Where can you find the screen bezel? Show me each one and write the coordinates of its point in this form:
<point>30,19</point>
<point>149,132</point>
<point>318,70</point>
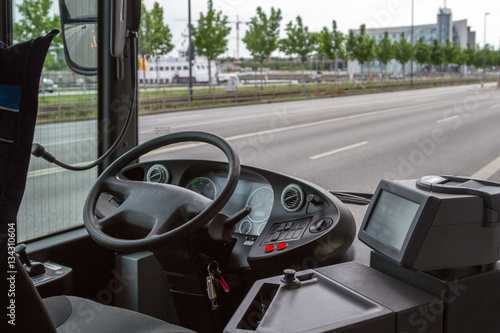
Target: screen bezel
<point>419,226</point>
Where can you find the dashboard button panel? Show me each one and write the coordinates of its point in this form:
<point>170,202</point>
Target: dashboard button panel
<point>291,230</point>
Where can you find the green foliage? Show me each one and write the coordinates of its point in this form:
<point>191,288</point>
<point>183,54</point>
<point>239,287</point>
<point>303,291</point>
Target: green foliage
<point>299,40</point>
<point>402,51</point>
<point>35,20</point>
<point>350,46</point>
<point>450,53</point>
<point>154,36</point>
<point>422,52</point>
<point>210,36</point>
<point>262,36</point>
<point>384,50</point>
<point>470,54</point>
<point>436,53</point>
<point>330,43</point>
<point>361,46</point>
<point>461,55</point>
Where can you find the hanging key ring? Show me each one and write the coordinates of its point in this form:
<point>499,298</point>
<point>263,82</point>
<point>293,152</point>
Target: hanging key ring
<point>210,271</point>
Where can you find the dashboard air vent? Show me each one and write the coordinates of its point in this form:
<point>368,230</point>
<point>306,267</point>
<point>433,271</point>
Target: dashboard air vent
<point>292,198</point>
<point>157,174</point>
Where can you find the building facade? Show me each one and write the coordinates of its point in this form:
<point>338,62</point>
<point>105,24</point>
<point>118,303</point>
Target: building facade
<point>458,32</point>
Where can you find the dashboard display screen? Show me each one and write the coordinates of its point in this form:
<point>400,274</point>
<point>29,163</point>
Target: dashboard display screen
<point>391,219</point>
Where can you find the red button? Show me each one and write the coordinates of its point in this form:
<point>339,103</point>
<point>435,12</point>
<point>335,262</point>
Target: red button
<point>282,246</point>
<point>269,248</point>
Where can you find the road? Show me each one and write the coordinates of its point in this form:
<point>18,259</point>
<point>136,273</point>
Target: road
<point>345,143</point>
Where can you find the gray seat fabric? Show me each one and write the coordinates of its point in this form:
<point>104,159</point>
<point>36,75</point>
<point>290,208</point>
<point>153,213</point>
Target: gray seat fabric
<point>75,314</point>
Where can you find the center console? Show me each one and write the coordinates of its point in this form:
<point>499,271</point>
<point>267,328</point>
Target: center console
<point>434,268</point>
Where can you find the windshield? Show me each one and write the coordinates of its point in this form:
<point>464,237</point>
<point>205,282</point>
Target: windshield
<point>339,94</point>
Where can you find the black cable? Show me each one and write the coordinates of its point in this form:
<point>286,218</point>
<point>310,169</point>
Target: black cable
<point>38,150</point>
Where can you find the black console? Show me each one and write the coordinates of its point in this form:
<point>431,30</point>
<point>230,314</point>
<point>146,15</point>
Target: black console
<point>348,298</point>
<point>49,278</point>
<point>434,268</point>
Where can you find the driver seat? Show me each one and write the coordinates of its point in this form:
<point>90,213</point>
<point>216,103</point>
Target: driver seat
<point>76,314</point>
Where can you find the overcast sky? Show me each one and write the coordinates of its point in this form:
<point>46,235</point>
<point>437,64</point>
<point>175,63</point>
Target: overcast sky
<point>349,14</point>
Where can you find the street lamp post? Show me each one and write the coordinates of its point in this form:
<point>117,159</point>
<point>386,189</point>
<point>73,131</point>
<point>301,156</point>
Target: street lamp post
<point>484,51</point>
<point>411,62</point>
<point>190,55</point>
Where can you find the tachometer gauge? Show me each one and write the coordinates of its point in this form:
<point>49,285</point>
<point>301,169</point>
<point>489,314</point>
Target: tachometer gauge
<point>261,201</point>
<point>245,227</point>
<point>203,186</point>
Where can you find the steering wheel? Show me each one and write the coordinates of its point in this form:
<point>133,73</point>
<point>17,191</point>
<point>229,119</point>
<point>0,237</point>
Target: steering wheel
<point>165,211</point>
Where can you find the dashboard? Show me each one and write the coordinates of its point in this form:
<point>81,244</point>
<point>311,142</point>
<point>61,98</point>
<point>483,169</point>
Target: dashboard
<point>290,218</point>
<point>256,194</point>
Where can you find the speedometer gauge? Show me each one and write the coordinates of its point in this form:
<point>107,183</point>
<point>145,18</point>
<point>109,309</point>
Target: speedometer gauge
<point>203,186</point>
<point>261,201</point>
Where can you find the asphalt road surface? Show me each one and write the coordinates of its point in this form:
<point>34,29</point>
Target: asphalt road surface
<point>346,143</point>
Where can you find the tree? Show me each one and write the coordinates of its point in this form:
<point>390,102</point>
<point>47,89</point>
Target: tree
<point>360,47</point>
<point>383,51</point>
<point>299,41</point>
<point>330,43</point>
<point>262,35</point>
<point>461,57</point>
<point>449,54</point>
<point>155,38</point>
<point>470,54</point>
<point>210,36</point>
<point>478,57</point>
<point>36,20</point>
<point>402,51</point>
<point>436,53</point>
<point>422,52</point>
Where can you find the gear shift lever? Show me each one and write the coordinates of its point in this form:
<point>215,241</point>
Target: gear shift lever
<point>33,268</point>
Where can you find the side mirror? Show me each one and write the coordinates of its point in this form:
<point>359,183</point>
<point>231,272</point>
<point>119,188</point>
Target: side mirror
<point>79,32</point>
<point>79,26</point>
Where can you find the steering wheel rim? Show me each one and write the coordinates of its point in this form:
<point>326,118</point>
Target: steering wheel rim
<point>109,181</point>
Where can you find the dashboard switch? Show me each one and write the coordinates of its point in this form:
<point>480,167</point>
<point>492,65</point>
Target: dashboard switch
<point>269,248</point>
<point>282,246</point>
<point>321,224</point>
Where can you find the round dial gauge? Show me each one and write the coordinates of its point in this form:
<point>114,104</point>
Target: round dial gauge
<point>245,227</point>
<point>261,201</point>
<point>203,186</point>
<point>260,229</point>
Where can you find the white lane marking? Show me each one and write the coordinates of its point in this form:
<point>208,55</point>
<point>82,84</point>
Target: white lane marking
<point>289,110</point>
<point>447,119</point>
<point>488,170</point>
<point>281,129</point>
<point>495,106</point>
<point>48,171</point>
<point>331,152</point>
<point>242,136</point>
<point>205,123</point>
<point>67,141</point>
<point>171,117</point>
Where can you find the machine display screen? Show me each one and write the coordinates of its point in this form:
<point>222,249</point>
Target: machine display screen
<point>391,219</point>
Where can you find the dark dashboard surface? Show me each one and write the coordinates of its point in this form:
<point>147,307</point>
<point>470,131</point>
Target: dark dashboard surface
<point>290,218</point>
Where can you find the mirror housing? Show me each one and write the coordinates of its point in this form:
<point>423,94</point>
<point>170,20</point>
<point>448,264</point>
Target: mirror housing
<point>79,31</point>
